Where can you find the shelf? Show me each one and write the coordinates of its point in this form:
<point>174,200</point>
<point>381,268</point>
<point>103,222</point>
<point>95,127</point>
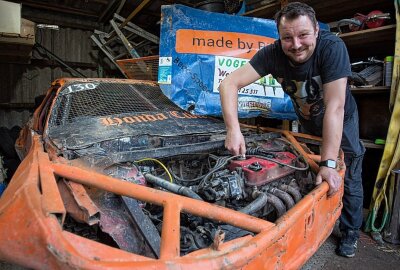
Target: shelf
<point>367,34</point>
<point>328,10</point>
<point>17,106</point>
<point>375,35</point>
<point>370,144</point>
<point>371,90</point>
<point>268,11</point>
<point>364,43</point>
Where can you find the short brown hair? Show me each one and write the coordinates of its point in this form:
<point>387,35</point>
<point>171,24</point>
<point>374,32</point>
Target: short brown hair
<point>293,10</point>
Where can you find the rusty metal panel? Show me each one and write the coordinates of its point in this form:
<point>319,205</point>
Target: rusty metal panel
<point>71,45</point>
<point>22,83</point>
<point>10,118</point>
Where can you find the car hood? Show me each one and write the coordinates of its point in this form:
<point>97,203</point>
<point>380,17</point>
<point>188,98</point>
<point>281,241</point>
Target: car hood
<point>90,130</point>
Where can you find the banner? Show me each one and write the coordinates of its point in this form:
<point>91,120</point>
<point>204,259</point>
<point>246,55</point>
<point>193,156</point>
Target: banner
<point>198,49</point>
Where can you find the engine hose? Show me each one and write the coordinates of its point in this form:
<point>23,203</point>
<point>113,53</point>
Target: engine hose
<point>277,204</point>
<point>285,197</point>
<point>292,191</point>
<point>255,205</point>
<point>281,163</point>
<point>178,189</point>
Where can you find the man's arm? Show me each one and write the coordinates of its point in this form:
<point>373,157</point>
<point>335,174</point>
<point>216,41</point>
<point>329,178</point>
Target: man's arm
<point>334,100</point>
<point>228,90</point>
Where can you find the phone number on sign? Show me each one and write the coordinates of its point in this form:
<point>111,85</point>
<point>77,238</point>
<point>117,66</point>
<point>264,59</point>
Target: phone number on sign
<point>248,91</point>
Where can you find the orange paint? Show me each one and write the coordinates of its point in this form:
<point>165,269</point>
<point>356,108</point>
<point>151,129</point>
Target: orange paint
<point>32,235</point>
<point>220,43</point>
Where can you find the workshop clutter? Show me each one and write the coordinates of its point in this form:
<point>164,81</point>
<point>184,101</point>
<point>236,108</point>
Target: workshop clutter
<point>17,48</point>
<point>142,68</point>
<point>374,19</point>
<point>388,71</point>
<point>372,72</point>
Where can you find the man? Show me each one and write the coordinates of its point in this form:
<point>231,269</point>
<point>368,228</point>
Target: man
<point>312,66</point>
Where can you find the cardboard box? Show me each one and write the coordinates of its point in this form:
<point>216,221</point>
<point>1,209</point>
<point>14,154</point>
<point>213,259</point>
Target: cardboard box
<point>17,48</point>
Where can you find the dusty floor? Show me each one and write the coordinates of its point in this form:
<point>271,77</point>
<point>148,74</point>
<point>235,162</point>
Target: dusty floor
<point>370,255</point>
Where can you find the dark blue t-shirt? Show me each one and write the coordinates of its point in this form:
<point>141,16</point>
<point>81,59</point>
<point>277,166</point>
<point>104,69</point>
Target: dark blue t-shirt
<point>303,82</point>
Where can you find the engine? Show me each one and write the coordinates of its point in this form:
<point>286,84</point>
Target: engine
<point>265,183</point>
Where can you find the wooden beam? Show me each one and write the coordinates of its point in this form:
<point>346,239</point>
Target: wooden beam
<point>57,8</point>
<point>134,12</point>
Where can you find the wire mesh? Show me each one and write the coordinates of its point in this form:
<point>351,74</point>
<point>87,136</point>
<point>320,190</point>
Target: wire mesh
<point>144,68</point>
<point>109,99</point>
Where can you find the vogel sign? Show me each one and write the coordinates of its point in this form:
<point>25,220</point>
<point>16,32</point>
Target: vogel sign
<point>198,49</point>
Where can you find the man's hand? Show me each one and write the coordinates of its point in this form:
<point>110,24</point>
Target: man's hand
<point>234,143</point>
<point>332,177</point>
<point>228,90</point>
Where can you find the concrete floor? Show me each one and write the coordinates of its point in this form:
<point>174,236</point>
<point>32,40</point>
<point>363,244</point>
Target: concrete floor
<point>369,255</point>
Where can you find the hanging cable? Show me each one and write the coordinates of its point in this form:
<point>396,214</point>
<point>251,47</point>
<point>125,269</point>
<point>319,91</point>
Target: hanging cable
<point>160,163</point>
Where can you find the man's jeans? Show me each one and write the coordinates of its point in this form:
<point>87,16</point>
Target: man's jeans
<point>352,213</point>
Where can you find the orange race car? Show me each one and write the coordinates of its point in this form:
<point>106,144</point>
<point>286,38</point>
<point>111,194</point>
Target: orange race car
<point>115,176</point>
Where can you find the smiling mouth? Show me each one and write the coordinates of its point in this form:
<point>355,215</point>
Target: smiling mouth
<point>298,52</point>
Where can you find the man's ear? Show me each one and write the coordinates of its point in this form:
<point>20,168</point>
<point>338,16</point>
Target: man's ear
<point>316,30</point>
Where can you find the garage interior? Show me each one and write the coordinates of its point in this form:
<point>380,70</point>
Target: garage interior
<point>44,40</point>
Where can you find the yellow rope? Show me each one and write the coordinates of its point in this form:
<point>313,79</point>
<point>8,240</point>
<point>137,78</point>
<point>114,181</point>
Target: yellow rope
<point>384,186</point>
<point>160,163</point>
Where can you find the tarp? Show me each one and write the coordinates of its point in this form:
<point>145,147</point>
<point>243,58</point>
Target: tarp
<point>198,49</point>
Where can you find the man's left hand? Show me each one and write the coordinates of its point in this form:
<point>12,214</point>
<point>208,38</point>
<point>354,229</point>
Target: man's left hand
<point>331,176</point>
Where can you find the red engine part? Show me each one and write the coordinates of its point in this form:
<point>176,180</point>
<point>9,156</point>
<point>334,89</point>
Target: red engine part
<point>374,20</point>
<point>259,171</point>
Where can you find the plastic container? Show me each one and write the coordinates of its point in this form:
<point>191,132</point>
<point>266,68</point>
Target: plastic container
<point>387,71</point>
<point>295,126</point>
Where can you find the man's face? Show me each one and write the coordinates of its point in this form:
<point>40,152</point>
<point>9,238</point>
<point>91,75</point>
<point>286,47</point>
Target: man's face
<point>298,38</point>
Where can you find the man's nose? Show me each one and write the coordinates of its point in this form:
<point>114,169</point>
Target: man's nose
<point>296,43</point>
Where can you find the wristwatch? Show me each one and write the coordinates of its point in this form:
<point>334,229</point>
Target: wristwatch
<point>330,163</point>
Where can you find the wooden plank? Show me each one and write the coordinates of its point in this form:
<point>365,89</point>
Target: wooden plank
<point>363,42</point>
<point>370,90</point>
<point>328,11</point>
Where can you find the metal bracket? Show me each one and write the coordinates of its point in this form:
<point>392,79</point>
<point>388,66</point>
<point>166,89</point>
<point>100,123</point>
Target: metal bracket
<point>123,30</point>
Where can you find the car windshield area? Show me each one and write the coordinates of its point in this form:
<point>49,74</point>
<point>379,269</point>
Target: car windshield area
<point>87,114</point>
<point>96,99</point>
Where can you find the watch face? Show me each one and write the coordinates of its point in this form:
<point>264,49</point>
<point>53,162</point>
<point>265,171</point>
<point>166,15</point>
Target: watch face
<point>331,163</point>
<point>328,163</point>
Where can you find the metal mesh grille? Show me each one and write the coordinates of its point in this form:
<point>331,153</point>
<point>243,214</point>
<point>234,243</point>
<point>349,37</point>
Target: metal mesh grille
<point>110,99</point>
<point>144,68</point>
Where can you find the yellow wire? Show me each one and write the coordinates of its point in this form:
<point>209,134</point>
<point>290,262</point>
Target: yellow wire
<point>161,164</point>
